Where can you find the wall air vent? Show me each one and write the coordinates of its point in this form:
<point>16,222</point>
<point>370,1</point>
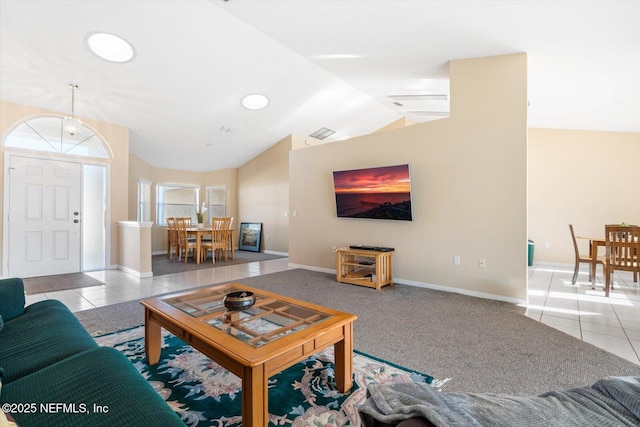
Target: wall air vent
<point>430,113</point>
<point>322,133</point>
<point>423,107</point>
<point>419,97</point>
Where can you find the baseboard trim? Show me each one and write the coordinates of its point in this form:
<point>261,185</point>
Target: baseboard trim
<point>553,264</point>
<point>467,292</point>
<point>428,286</point>
<point>276,253</point>
<point>138,274</point>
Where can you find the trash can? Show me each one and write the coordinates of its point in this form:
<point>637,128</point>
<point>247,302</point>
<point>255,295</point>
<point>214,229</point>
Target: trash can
<point>530,253</point>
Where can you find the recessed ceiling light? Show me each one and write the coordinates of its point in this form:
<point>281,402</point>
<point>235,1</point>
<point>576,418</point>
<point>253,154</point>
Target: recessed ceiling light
<point>110,47</point>
<point>255,101</point>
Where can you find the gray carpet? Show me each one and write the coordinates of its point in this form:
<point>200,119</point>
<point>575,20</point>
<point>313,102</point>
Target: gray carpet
<point>58,282</point>
<point>161,264</point>
<point>483,345</point>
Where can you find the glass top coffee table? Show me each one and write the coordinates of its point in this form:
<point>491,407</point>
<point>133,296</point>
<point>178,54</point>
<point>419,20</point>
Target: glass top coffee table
<point>254,343</point>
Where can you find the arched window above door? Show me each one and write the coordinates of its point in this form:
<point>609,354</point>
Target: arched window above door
<point>47,133</point>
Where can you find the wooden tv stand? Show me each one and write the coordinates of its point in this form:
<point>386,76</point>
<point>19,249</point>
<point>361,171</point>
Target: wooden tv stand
<point>365,268</point>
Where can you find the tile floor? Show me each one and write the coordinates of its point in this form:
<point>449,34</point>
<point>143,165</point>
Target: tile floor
<point>120,286</point>
<point>611,323</point>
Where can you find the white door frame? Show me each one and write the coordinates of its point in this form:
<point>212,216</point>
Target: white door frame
<point>8,152</point>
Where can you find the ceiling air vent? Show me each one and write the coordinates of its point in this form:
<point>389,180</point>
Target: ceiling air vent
<point>322,133</point>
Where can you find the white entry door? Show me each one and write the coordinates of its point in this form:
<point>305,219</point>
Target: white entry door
<point>44,217</point>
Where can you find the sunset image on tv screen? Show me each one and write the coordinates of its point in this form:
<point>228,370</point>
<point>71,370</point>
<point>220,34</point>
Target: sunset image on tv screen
<point>379,193</point>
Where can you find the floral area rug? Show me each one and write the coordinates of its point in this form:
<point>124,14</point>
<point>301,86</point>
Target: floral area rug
<point>203,393</point>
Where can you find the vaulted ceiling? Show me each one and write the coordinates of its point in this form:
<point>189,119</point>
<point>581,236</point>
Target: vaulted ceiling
<point>352,66</point>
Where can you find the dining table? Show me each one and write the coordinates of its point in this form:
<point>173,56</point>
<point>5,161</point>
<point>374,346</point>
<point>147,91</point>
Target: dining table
<point>198,233</point>
<point>594,243</point>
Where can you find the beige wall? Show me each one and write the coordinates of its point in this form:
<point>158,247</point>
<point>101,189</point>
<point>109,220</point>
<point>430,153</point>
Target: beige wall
<point>468,183</point>
<point>118,139</point>
<point>584,178</point>
<point>138,170</point>
<point>135,248</point>
<point>143,170</point>
<point>263,194</point>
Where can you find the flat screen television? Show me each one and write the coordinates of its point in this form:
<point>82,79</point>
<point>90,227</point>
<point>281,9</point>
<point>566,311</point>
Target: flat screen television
<point>378,193</point>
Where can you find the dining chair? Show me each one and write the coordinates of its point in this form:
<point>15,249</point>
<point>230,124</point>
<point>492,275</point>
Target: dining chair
<point>635,273</point>
<point>219,241</point>
<point>587,259</point>
<point>622,253</point>
<point>185,243</point>
<point>219,224</point>
<point>173,237</point>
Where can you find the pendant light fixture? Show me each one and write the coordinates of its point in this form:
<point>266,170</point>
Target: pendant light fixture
<point>71,124</point>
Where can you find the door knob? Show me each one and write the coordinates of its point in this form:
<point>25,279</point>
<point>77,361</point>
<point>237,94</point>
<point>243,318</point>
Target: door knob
<point>76,221</point>
<point>76,213</point>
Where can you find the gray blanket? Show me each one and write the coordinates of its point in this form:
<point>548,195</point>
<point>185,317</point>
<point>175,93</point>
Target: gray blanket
<point>612,401</point>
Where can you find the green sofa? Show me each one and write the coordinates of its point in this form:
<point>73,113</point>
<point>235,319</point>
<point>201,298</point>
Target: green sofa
<point>53,373</point>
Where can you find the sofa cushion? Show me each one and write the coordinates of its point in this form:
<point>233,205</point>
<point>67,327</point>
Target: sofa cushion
<point>11,298</point>
<point>45,333</point>
<point>100,387</point>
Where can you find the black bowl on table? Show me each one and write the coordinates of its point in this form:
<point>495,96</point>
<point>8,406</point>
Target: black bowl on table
<point>241,300</point>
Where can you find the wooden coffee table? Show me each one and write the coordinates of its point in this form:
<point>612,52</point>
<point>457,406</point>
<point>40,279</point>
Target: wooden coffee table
<point>254,344</point>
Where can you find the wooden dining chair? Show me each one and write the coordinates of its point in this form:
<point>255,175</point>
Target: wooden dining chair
<point>173,237</point>
<point>219,241</point>
<point>185,243</point>
<point>584,259</point>
<point>622,253</point>
<point>220,237</point>
<point>221,223</point>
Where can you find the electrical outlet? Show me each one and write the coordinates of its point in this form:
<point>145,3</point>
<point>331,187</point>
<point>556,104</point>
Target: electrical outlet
<point>456,260</point>
<point>482,263</point>
<point>546,245</point>
<point>334,249</point>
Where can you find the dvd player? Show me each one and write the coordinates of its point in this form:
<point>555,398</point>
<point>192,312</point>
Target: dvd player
<point>372,248</point>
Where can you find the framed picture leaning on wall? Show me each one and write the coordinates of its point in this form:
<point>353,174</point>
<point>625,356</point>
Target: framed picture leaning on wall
<point>250,236</point>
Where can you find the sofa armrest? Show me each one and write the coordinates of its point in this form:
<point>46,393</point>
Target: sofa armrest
<point>11,298</point>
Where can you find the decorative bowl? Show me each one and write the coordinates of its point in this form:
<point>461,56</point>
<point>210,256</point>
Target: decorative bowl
<point>236,301</point>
